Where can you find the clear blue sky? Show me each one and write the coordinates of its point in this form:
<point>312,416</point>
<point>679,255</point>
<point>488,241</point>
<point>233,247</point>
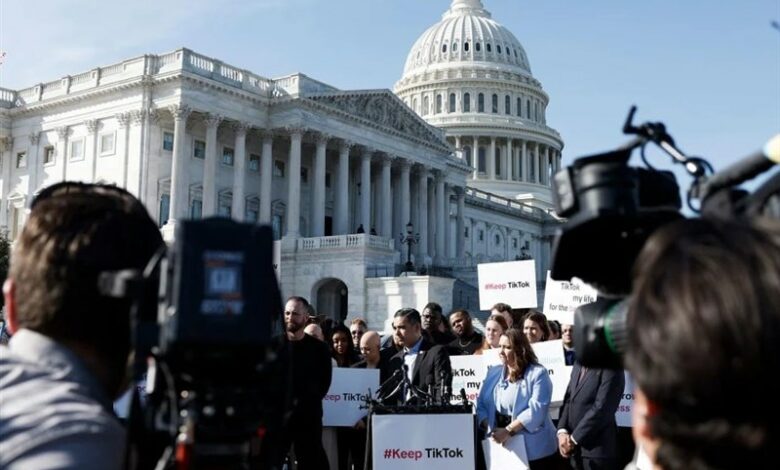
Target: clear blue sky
<point>709,70</point>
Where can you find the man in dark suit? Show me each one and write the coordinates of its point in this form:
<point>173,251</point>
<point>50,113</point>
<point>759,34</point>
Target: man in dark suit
<point>587,432</point>
<point>428,365</point>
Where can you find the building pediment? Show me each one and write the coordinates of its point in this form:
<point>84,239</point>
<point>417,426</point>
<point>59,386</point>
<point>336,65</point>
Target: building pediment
<point>384,109</point>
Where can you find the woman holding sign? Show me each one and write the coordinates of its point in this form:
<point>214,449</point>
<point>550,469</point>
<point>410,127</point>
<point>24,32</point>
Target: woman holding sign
<point>515,401</point>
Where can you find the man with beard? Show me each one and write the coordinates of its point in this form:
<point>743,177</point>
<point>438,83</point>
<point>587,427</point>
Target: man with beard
<point>309,360</point>
<point>467,340</point>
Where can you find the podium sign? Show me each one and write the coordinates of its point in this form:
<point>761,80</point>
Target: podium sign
<point>423,442</point>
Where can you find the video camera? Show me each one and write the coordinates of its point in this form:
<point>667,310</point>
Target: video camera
<point>612,208</point>
<point>202,326</point>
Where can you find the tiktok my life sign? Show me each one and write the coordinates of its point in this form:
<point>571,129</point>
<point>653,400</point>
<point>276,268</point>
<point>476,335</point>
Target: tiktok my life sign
<point>561,298</point>
<point>512,282</point>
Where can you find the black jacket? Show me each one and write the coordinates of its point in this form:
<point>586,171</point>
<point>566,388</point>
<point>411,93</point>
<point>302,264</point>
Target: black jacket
<point>432,367</point>
<point>309,363</point>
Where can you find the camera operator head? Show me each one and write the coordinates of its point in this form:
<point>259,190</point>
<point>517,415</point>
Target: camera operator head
<point>704,321</point>
<point>75,232</point>
<point>69,354</point>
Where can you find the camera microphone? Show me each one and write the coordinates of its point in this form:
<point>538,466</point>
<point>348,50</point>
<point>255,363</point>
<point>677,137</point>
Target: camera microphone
<point>744,169</point>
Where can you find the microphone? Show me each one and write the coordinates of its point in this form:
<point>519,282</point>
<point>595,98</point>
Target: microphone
<point>745,169</point>
<point>463,396</point>
<point>384,386</point>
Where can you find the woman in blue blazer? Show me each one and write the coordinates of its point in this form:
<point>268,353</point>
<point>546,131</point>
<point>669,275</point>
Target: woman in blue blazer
<point>515,399</point>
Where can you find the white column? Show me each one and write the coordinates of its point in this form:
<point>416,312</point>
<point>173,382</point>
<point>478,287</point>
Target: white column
<point>524,159</point>
<point>179,181</point>
<point>507,162</point>
<point>90,147</point>
<point>458,148</point>
<point>365,189</point>
<point>6,153</point>
<point>422,210</point>
<point>460,246</point>
<point>447,223</point>
<point>405,202</point>
<point>238,210</point>
<point>537,166</point>
<point>546,166</point>
<point>210,165</point>
<point>475,158</point>
<point>511,169</point>
<point>318,200</point>
<point>123,143</point>
<point>491,159</point>
<point>294,184</point>
<point>441,218</point>
<point>432,219</point>
<point>386,219</point>
<point>32,164</point>
<point>266,177</point>
<point>62,149</point>
<point>341,208</point>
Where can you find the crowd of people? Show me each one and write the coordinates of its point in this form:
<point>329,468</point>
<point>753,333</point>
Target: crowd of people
<point>704,319</point>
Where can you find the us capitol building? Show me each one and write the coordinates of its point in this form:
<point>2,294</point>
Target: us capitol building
<point>457,158</point>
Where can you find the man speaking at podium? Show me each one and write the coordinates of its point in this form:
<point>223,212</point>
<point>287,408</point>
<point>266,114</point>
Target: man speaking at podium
<point>426,366</point>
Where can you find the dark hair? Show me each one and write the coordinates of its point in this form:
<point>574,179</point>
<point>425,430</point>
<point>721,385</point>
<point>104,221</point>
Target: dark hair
<point>554,326</point>
<point>524,353</point>
<point>300,299</point>
<point>74,232</point>
<point>704,323</point>
<point>502,307</point>
<point>540,319</point>
<point>351,356</point>
<point>434,308</point>
<point>461,311</point>
<point>410,314</point>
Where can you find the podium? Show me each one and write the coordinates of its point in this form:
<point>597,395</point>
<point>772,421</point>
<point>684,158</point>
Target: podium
<point>439,438</point>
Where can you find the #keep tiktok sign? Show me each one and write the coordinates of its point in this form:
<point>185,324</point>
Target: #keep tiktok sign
<point>512,282</point>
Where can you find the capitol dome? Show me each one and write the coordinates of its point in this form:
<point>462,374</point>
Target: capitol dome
<point>470,76</point>
<point>467,33</point>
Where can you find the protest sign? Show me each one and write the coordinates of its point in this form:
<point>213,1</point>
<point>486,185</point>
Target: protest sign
<point>512,282</point>
<point>468,372</point>
<point>550,355</point>
<point>347,392</point>
<point>561,298</point>
<point>511,454</point>
<point>623,413</point>
<point>423,442</point>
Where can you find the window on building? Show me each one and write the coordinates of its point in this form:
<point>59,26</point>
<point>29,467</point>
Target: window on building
<point>48,155</point>
<point>199,149</point>
<point>165,206</point>
<point>279,168</point>
<point>481,103</point>
<point>454,47</point>
<point>466,103</point>
<point>168,141</point>
<point>327,180</point>
<point>77,149</point>
<point>536,106</point>
<point>495,103</point>
<point>497,239</point>
<point>452,102</point>
<point>481,162</point>
<point>438,104</point>
<point>507,105</point>
<point>444,49</point>
<point>304,175</point>
<point>481,235</point>
<point>498,48</point>
<point>107,144</point>
<point>276,225</point>
<point>528,109</point>
<point>466,46</point>
<point>254,162</point>
<point>228,156</point>
<point>514,243</point>
<point>478,46</point>
<point>224,207</point>
<point>467,155</point>
<point>414,106</point>
<point>466,232</point>
<point>532,167</point>
<point>196,209</point>
<point>487,46</point>
<point>251,216</point>
<point>498,161</point>
<point>426,106</point>
<point>21,160</point>
<point>519,107</point>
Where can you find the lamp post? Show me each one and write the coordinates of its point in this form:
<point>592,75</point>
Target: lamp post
<point>409,239</point>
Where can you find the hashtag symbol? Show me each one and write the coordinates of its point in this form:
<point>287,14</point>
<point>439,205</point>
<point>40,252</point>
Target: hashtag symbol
<point>388,453</point>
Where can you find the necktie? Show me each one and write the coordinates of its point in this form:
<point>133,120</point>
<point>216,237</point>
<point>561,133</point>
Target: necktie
<point>583,369</point>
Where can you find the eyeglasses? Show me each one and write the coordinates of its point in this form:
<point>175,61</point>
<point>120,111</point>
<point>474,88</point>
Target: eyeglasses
<point>365,350</point>
<point>76,187</point>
